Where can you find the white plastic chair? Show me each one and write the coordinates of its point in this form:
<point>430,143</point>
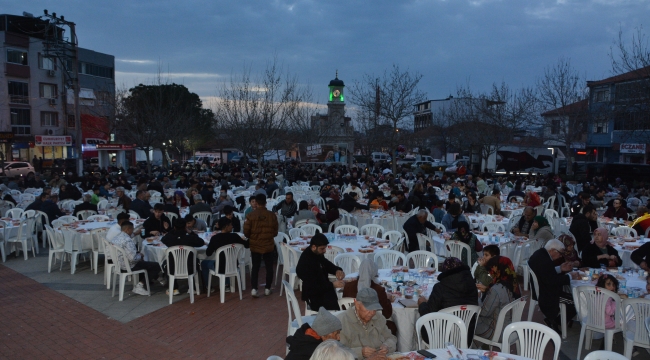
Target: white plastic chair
<point>279,239</point>
<point>41,220</point>
<point>423,241</point>
<point>180,254</point>
<point>332,251</point>
<point>85,214</point>
<point>347,229</point>
<point>392,236</point>
<point>550,213</point>
<point>333,225</point>
<point>300,223</point>
<point>133,215</point>
<point>439,226</point>
<point>624,231</point>
<point>231,252</point>
<point>516,309</point>
<point>109,268</point>
<point>386,259</point>
<point>56,248</point>
<point>372,230</point>
<point>98,245</point>
<point>635,332</point>
<point>102,204</point>
<point>455,249</point>
<point>441,328</point>
<point>605,355</point>
<point>533,338</point>
<point>422,259</point>
<point>98,218</point>
<point>72,246</point>
<point>590,302</point>
<point>14,213</point>
<point>346,303</point>
<point>124,270</point>
<point>203,215</point>
<point>487,209</point>
<point>494,226</point>
<point>22,236</point>
<point>465,313</point>
<point>295,318</point>
<point>172,216</point>
<point>295,233</point>
<point>310,229</point>
<point>68,219</point>
<point>290,258</point>
<point>348,262</point>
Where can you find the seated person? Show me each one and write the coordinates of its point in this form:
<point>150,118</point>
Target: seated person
<point>522,227</point>
<point>616,211</point>
<point>313,269</point>
<point>304,341</point>
<point>378,202</point>
<point>350,204</point>
<point>582,225</point>
<point>600,252</point>
<point>368,273</point>
<point>641,256</point>
<point>193,224</point>
<point>453,217</point>
<point>228,212</point>
<point>199,205</point>
<point>158,224</point>
<point>225,237</point>
<point>642,221</point>
<point>364,328</point>
<point>417,224</point>
<point>332,350</point>
<point>541,230</point>
<point>180,237</point>
<point>570,254</point>
<point>116,228</point>
<point>304,213</point>
<point>455,286</point>
<point>134,259</point>
<point>439,211</point>
<point>464,235</point>
<point>85,205</point>
<point>503,290</point>
<point>140,205</point>
<point>481,273</point>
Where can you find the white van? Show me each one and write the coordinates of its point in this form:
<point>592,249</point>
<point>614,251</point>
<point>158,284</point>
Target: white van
<point>380,157</point>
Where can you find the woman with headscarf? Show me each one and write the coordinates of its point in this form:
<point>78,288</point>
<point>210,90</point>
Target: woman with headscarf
<point>368,272</point>
<point>599,252</point>
<point>540,230</point>
<point>569,254</point>
<point>503,290</point>
<point>464,235</point>
<point>179,199</point>
<point>455,286</point>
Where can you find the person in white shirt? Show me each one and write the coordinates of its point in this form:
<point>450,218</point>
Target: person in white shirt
<point>116,229</point>
<point>354,187</point>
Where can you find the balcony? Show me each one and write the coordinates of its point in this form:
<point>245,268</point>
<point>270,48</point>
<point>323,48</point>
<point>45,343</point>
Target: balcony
<point>19,99</point>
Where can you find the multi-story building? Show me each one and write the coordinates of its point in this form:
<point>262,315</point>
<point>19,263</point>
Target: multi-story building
<point>619,108</point>
<point>36,104</point>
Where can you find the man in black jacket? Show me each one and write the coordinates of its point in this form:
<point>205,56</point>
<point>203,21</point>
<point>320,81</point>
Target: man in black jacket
<point>551,280</point>
<point>50,208</point>
<point>349,203</point>
<point>304,341</point>
<point>417,224</point>
<point>402,204</point>
<point>140,206</point>
<point>159,223</point>
<point>38,202</point>
<point>180,237</point>
<point>85,205</point>
<point>313,269</point>
<point>583,225</point>
<point>225,237</point>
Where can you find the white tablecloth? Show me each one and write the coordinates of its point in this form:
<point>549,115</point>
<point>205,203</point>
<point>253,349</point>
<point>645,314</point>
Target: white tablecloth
<point>389,220</point>
<point>83,231</point>
<point>155,251</point>
<point>442,354</point>
<point>625,252</point>
<point>346,243</point>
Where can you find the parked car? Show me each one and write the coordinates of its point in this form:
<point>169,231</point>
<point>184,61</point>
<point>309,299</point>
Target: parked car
<point>17,168</point>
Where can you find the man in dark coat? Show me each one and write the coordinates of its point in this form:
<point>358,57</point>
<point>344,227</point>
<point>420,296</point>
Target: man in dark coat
<point>304,341</point>
<point>38,203</point>
<point>50,208</point>
<point>551,280</point>
<point>583,225</point>
<point>140,206</point>
<point>417,224</point>
<point>85,205</point>
<point>158,223</point>
<point>313,269</point>
<point>180,237</point>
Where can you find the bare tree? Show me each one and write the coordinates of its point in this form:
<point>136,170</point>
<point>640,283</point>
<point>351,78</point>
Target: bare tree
<point>561,96</point>
<point>255,112</point>
<point>399,94</point>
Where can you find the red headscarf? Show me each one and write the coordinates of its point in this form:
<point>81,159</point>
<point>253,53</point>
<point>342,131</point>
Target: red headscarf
<point>503,271</point>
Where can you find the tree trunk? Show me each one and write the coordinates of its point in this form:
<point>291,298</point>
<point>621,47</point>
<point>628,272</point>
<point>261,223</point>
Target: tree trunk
<point>569,163</point>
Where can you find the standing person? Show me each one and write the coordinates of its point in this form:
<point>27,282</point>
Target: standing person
<point>552,280</point>
<point>417,224</point>
<point>261,227</point>
<point>313,269</point>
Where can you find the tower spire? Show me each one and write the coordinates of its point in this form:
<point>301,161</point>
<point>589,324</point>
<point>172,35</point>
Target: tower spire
<point>337,74</point>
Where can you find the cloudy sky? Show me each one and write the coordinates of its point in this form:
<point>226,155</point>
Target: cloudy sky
<point>453,42</point>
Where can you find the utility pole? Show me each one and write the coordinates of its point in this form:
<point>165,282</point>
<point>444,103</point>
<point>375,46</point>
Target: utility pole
<point>66,51</point>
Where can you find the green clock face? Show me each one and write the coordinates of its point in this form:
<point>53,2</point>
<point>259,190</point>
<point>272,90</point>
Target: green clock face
<point>336,93</point>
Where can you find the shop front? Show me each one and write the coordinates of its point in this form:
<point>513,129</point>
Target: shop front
<point>118,155</point>
<point>632,153</point>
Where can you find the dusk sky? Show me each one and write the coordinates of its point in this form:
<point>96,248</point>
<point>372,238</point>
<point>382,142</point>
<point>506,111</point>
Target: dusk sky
<point>451,43</point>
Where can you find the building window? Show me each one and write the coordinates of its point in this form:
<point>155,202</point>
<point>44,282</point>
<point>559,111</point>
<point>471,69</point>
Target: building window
<point>46,62</point>
<point>18,92</point>
<point>48,91</point>
<point>20,121</point>
<point>103,98</point>
<point>71,122</point>
<point>17,57</point>
<point>555,127</point>
<point>95,70</point>
<point>49,118</point>
<point>600,127</point>
<point>602,95</point>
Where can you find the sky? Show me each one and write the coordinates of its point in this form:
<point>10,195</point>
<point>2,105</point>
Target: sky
<point>451,43</point>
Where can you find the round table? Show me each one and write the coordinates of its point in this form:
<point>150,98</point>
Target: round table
<point>155,250</point>
<point>389,220</point>
<point>442,354</point>
<point>349,244</point>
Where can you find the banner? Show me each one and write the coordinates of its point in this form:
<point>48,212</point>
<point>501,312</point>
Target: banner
<point>48,140</point>
<point>322,153</point>
<point>627,148</point>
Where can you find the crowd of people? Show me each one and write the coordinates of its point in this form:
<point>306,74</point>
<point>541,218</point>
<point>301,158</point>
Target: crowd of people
<point>364,329</point>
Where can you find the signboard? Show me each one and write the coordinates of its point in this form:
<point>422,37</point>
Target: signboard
<point>322,153</point>
<point>115,146</point>
<point>627,148</point>
<point>6,136</point>
<point>48,140</point>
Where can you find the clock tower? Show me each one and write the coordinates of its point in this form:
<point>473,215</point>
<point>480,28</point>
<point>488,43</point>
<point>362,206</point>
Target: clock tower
<point>336,103</point>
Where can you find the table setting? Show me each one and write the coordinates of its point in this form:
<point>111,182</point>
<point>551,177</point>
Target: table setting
<point>350,243</point>
<point>445,354</point>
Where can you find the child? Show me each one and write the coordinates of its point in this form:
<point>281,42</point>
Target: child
<point>610,283</point>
